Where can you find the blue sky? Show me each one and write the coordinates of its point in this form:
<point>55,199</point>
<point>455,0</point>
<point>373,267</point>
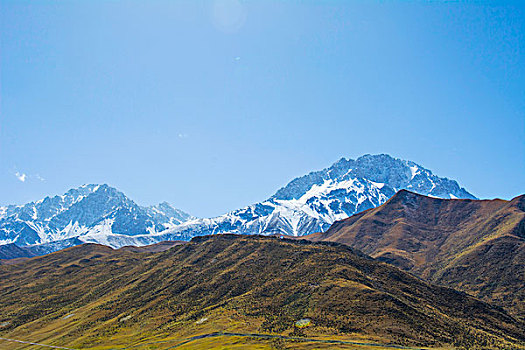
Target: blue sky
<point>213,105</point>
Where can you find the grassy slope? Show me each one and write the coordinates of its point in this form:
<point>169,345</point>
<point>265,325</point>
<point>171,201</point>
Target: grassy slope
<point>471,245</point>
<point>92,296</point>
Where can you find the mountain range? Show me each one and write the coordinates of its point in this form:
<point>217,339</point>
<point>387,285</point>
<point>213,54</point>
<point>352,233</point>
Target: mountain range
<point>96,211</point>
<point>313,202</point>
<point>375,253</point>
<point>308,204</point>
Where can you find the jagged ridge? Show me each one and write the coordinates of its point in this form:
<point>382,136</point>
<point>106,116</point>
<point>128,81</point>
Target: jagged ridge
<point>311,203</point>
<point>90,210</point>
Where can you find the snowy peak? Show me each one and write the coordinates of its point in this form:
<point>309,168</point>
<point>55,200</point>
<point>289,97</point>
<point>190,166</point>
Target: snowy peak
<point>50,207</point>
<point>165,213</point>
<point>381,169</point>
<point>86,210</point>
<point>311,203</point>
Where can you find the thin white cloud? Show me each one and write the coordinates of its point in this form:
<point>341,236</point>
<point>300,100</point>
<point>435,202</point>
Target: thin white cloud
<point>40,178</point>
<point>21,177</point>
<point>183,136</point>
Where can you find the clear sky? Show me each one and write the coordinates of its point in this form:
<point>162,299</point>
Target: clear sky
<point>214,105</point>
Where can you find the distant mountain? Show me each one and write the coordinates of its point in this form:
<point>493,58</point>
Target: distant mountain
<point>92,296</point>
<point>477,246</point>
<point>12,251</point>
<point>94,211</point>
<point>313,202</point>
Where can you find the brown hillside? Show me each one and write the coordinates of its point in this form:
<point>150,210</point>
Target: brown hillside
<point>91,295</point>
<point>477,246</point>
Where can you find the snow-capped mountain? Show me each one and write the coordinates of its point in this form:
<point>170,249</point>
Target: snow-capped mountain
<point>87,211</point>
<point>311,203</point>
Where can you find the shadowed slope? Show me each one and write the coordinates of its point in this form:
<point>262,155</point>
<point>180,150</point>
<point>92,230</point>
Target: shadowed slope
<point>476,246</point>
<point>12,251</point>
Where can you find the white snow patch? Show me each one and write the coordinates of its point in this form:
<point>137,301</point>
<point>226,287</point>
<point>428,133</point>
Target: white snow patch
<point>379,185</point>
<point>414,170</point>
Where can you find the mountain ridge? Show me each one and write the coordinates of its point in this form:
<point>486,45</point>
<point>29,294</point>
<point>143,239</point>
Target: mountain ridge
<point>88,209</point>
<point>477,246</point>
<point>312,202</point>
<point>307,204</point>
